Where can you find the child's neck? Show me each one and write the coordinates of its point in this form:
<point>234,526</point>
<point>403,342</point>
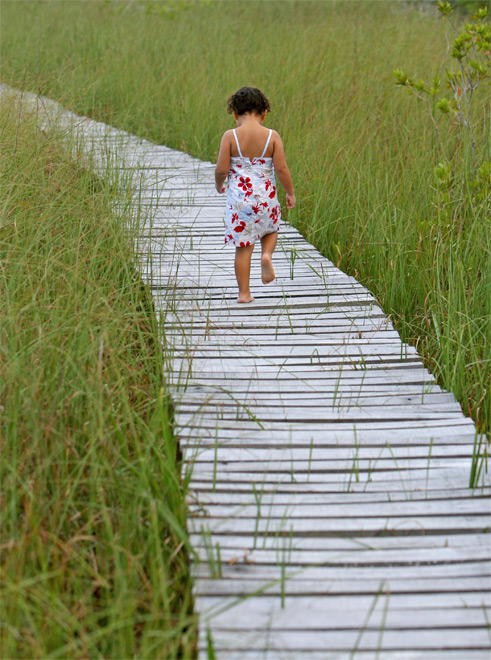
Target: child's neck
<point>249,118</point>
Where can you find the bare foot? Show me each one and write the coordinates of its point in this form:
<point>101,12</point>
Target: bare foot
<point>267,272</point>
<point>246,298</point>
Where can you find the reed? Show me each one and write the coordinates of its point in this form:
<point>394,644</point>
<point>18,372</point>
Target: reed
<point>93,518</point>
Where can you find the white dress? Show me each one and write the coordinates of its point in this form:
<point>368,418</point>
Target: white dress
<point>253,209</point>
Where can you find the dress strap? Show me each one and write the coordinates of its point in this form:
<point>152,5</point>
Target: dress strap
<point>237,143</point>
<point>267,143</point>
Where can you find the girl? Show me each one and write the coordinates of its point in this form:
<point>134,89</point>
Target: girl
<point>253,211</point>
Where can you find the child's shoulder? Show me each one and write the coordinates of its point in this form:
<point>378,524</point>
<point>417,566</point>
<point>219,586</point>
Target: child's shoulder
<point>275,136</point>
<point>227,139</point>
<point>276,141</point>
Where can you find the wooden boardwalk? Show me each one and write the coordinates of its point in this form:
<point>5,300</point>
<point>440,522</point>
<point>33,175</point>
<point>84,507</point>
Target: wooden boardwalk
<point>329,499</point>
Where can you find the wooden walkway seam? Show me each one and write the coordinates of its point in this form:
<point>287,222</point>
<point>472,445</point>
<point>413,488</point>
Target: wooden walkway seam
<point>329,497</point>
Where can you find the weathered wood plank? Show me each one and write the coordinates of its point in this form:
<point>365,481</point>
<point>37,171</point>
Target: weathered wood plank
<point>382,371</point>
<point>223,453</point>
<point>347,479</point>
<point>357,426</point>
<point>362,576</point>
<point>371,385</point>
<point>345,640</point>
<point>345,551</point>
<point>351,464</point>
<point>333,407</point>
<point>413,483</point>
<point>301,497</point>
<point>393,524</point>
<point>273,653</point>
<point>346,510</point>
<point>306,400</point>
<point>275,584</point>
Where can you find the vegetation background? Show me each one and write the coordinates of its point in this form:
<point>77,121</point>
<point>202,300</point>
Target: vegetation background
<point>94,549</point>
<point>362,155</point>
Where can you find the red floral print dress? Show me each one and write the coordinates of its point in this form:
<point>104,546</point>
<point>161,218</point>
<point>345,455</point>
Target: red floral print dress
<point>253,209</point>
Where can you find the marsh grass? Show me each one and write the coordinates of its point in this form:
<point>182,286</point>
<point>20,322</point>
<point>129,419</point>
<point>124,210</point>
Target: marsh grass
<point>93,520</point>
<point>363,167</point>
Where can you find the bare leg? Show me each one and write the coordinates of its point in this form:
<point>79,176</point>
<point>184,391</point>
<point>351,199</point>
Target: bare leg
<point>243,272</point>
<point>268,243</point>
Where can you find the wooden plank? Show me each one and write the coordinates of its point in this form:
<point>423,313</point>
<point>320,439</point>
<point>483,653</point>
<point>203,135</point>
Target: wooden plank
<point>336,321</point>
<point>368,577</point>
<point>215,338</point>
<point>412,511</point>
<point>344,554</point>
<point>349,603</point>
<point>211,421</point>
<point>192,438</point>
<point>223,453</point>
<point>347,475</point>
<point>309,402</point>
<point>216,335</point>
<point>404,379</point>
<point>402,525</point>
<point>305,498</point>
<point>275,584</point>
<point>318,355</point>
<point>255,368</point>
<point>412,483</point>
<point>345,551</point>
<point>346,640</point>
<point>288,328</point>
<point>395,481</point>
<point>351,464</point>
<point>331,411</point>
<point>339,437</point>
<point>231,449</point>
<point>274,654</point>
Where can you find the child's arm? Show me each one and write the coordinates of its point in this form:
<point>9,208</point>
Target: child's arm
<point>223,162</point>
<point>282,171</point>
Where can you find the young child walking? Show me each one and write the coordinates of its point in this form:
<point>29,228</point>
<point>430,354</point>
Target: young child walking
<point>249,157</point>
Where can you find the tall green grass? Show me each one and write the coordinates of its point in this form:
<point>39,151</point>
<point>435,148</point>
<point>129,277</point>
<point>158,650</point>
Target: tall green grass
<point>93,520</point>
<point>361,151</point>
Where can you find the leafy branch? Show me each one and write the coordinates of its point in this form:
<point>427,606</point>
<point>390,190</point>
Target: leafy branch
<point>470,52</point>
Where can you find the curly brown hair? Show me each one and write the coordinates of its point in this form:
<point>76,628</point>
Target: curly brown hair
<point>248,99</point>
